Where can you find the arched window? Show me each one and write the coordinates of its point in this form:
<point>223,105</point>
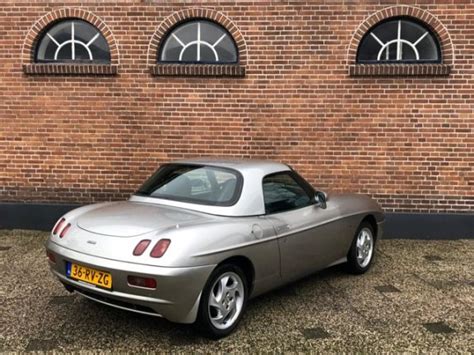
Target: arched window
<point>72,40</point>
<point>399,40</point>
<point>199,41</point>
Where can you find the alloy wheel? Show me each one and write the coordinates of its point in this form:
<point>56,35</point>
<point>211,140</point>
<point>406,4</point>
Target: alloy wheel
<point>365,247</point>
<point>226,300</point>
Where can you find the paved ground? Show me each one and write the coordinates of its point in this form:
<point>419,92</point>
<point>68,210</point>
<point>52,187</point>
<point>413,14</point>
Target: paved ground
<point>417,297</point>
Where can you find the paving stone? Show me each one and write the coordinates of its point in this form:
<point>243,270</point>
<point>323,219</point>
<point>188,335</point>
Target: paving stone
<point>315,333</point>
<point>443,284</point>
<point>387,288</point>
<point>41,345</point>
<point>433,258</point>
<point>438,328</point>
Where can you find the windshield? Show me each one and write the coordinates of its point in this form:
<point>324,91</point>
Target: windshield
<point>206,185</point>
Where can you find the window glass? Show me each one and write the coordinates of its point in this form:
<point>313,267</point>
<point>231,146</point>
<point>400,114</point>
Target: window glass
<point>281,192</point>
<point>199,41</point>
<point>398,40</point>
<point>73,41</point>
<point>195,184</point>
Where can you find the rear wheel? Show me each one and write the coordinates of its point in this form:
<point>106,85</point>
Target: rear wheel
<point>223,301</point>
<point>362,249</point>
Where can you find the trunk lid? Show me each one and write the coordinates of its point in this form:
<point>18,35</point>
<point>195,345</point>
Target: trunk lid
<point>130,219</point>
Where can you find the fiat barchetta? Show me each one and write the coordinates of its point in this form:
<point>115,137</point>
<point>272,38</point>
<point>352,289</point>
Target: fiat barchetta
<point>201,237</point>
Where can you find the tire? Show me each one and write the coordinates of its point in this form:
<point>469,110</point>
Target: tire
<point>356,263</point>
<point>233,300</point>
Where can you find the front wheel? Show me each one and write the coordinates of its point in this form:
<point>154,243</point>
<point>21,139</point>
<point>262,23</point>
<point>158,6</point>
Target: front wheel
<point>223,301</point>
<point>362,249</point>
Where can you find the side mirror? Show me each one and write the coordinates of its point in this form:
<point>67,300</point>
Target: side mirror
<point>320,198</point>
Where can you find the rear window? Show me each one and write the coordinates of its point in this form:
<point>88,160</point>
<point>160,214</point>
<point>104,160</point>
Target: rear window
<point>206,185</point>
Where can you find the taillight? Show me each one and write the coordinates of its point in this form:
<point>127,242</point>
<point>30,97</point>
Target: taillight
<point>51,256</point>
<point>58,226</point>
<point>64,231</point>
<point>141,247</point>
<point>160,248</point>
<point>146,282</point>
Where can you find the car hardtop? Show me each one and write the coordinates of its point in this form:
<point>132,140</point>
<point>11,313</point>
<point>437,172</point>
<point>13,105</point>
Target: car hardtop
<point>250,201</point>
<point>241,165</point>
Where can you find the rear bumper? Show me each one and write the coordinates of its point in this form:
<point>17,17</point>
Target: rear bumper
<point>175,298</point>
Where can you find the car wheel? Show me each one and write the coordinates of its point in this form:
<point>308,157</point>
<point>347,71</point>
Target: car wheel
<point>362,249</point>
<point>223,301</point>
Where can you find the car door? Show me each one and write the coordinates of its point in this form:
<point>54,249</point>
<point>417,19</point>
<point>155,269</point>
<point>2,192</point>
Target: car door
<point>307,242</point>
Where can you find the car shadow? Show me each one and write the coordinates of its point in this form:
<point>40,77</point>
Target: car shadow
<point>145,327</point>
<point>291,289</point>
<point>142,326</point>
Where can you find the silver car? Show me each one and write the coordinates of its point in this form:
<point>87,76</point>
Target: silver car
<point>202,237</point>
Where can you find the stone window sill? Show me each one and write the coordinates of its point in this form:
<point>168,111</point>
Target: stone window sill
<point>233,70</point>
<point>70,69</point>
<point>399,70</point>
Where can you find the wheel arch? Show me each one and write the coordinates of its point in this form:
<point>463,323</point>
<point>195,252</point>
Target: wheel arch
<point>370,218</point>
<point>247,267</point>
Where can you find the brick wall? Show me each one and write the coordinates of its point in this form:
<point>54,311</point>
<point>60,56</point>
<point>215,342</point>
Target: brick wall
<point>406,140</point>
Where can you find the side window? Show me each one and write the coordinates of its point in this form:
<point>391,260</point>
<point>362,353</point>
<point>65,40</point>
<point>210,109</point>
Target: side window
<point>281,192</point>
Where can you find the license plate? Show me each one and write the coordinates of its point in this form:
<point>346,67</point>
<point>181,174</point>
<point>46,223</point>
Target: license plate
<point>89,275</point>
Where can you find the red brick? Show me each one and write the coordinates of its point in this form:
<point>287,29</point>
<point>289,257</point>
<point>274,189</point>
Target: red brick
<point>405,140</point>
